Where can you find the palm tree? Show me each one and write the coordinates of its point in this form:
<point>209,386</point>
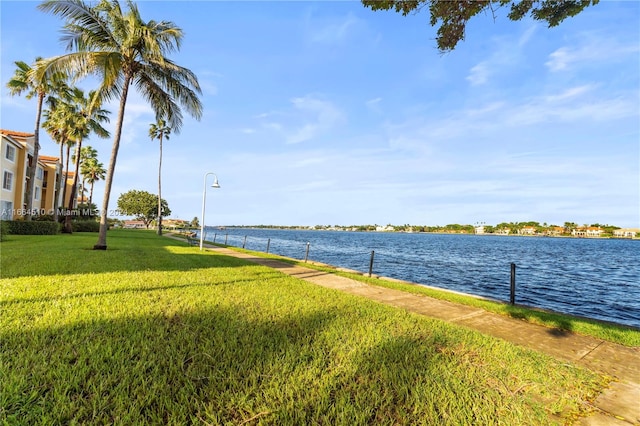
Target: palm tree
<point>124,50</point>
<point>71,141</point>
<point>92,171</point>
<point>86,152</point>
<point>25,79</point>
<point>58,122</point>
<point>159,130</point>
<point>90,115</point>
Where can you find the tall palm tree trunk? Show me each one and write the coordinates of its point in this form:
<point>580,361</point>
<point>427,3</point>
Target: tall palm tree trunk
<point>160,190</point>
<point>91,194</point>
<point>36,151</point>
<point>65,174</point>
<point>68,228</point>
<point>56,201</point>
<point>102,235</point>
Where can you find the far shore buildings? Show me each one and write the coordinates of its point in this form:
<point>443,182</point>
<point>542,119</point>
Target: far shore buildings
<point>527,230</point>
<point>17,160</point>
<point>627,232</point>
<point>587,231</point>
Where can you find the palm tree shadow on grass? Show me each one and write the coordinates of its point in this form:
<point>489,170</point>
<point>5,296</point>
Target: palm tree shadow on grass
<point>160,368</point>
<point>563,325</point>
<point>226,365</point>
<point>129,251</point>
<point>81,294</point>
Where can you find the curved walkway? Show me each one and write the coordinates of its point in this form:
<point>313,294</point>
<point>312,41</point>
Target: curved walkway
<point>618,405</point>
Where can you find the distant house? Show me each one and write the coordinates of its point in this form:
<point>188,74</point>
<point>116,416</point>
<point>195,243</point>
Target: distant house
<point>479,229</point>
<point>527,230</point>
<point>502,231</point>
<point>134,224</point>
<point>175,223</point>
<point>587,231</point>
<point>554,231</point>
<point>626,232</point>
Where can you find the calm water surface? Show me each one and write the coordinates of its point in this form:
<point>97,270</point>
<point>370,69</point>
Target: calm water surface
<point>597,278</point>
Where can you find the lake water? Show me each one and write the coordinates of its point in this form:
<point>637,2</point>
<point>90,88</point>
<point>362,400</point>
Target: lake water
<point>596,278</point>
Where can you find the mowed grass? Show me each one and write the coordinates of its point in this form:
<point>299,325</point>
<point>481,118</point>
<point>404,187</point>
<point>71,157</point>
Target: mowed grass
<point>615,333</point>
<point>155,332</point>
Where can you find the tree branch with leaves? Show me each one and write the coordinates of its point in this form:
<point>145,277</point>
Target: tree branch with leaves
<point>451,16</point>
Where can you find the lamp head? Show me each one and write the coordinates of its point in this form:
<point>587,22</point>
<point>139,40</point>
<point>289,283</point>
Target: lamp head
<point>215,183</point>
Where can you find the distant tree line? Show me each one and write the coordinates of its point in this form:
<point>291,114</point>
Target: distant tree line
<point>501,228</point>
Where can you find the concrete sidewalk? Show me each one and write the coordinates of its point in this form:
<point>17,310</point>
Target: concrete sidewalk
<point>618,405</point>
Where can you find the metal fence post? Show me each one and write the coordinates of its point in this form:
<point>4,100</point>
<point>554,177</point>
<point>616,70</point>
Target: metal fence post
<point>244,243</point>
<point>306,255</point>
<point>268,243</point>
<point>214,238</point>
<point>371,262</point>
<point>225,238</point>
<point>512,298</point>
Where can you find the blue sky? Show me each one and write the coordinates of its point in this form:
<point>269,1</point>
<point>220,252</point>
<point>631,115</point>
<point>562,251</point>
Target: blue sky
<point>324,113</point>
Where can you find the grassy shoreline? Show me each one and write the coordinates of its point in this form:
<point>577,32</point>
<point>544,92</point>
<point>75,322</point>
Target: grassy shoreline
<point>153,331</point>
<point>611,332</point>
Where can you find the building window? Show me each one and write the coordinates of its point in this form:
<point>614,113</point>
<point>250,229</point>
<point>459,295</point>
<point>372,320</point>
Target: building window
<point>36,195</point>
<point>6,210</point>
<point>7,181</point>
<point>10,153</point>
<point>39,173</point>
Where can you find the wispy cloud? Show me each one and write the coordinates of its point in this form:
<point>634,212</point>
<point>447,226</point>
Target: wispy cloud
<point>308,117</point>
<point>208,87</point>
<point>589,51</point>
<point>138,116</point>
<point>479,74</point>
<point>207,80</point>
<point>331,31</point>
<point>505,53</point>
<point>580,105</point>
<point>568,94</point>
<point>374,105</point>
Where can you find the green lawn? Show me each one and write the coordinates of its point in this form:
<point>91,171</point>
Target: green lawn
<point>153,331</point>
<point>623,335</point>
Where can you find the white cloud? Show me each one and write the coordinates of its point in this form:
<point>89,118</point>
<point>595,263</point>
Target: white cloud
<point>309,117</point>
<point>207,82</point>
<point>306,132</point>
<point>309,161</point>
<point>527,35</point>
<point>580,105</point>
<point>479,74</point>
<point>569,93</point>
<point>560,59</point>
<point>589,51</point>
<point>505,54</point>
<point>335,31</point>
<point>137,118</point>
<point>374,105</point>
<point>539,110</point>
<point>208,87</point>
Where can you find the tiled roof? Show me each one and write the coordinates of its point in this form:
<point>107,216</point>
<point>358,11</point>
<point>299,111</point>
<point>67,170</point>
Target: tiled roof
<point>47,158</point>
<point>15,133</point>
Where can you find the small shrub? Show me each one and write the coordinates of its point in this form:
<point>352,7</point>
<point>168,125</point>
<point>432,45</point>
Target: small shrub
<point>86,226</point>
<point>23,227</point>
<point>4,229</point>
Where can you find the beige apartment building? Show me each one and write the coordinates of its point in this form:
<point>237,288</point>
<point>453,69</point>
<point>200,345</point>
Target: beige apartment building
<point>16,160</point>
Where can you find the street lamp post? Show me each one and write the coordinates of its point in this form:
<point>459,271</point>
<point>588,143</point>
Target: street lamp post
<point>204,201</point>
